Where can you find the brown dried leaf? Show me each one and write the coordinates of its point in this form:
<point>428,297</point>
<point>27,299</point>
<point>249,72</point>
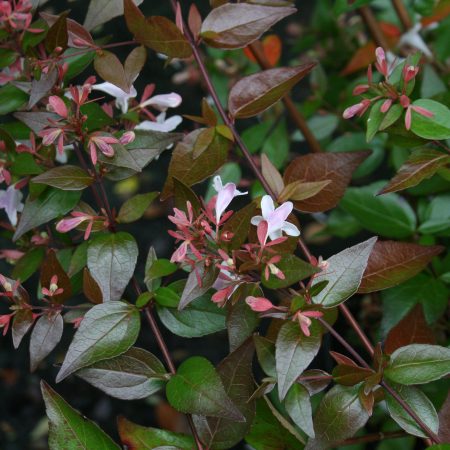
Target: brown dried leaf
<point>337,167</point>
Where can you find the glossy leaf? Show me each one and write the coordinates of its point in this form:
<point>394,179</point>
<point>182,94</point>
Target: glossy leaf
<point>132,375</point>
<point>339,416</point>
<point>418,364</point>
<point>67,178</point>
<point>22,322</point>
<point>344,274</point>
<point>239,224</point>
<point>196,388</point>
<point>337,167</point>
<point>294,352</point>
<point>265,349</point>
<point>45,336</point>
<point>57,35</point>
<point>78,36</point>
<point>202,317</point>
<point>298,406</point>
<point>436,127</point>
<point>349,375</point>
<point>156,32</point>
<point>419,403</point>
<point>137,437</point>
<point>241,320</point>
<point>391,263</point>
<point>51,204</point>
<point>28,264</point>
<point>107,330</point>
<point>111,261</point>
<point>237,25</point>
<point>199,281</point>
<point>444,417</point>
<point>13,99</point>
<point>102,11</point>
<point>255,93</point>
<point>91,289</point>
<point>412,329</point>
<point>422,164</point>
<point>190,171</point>
<point>294,270</point>
<point>387,215</point>
<point>302,190</point>
<point>70,429</point>
<point>134,208</point>
<point>235,372</point>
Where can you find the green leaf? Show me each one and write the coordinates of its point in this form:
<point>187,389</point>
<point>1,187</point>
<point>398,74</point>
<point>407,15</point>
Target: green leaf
<point>374,120</point>
<point>436,216</point>
<point>344,274</point>
<point>387,215</point>
<point>276,145</point>
<point>394,113</point>
<point>52,204</point>
<point>241,319</point>
<point>202,317</point>
<point>165,296</point>
<point>156,32</point>
<point>265,349</point>
<point>436,127</point>
<point>339,416</point>
<point>96,117</point>
<point>44,338</point>
<point>424,289</point>
<point>418,364</point>
<point>267,433</point>
<point>134,208</point>
<point>13,99</point>
<point>419,403</point>
<point>160,268</point>
<point>67,178</point>
<point>69,429</point>
<point>236,374</point>
<point>256,93</point>
<point>28,264</point>
<point>294,270</point>
<point>111,261</point>
<point>237,25</point>
<point>143,438</point>
<point>298,406</point>
<point>132,375</point>
<point>422,164</point>
<point>24,165</point>
<point>239,224</point>
<point>321,125</point>
<point>196,388</point>
<point>294,352</point>
<point>107,330</point>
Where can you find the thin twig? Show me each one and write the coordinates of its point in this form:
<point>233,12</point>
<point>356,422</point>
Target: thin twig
<point>375,437</point>
<point>402,14</point>
<point>372,24</point>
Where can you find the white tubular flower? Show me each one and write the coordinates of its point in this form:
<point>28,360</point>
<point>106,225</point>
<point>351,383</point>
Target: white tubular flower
<point>122,97</point>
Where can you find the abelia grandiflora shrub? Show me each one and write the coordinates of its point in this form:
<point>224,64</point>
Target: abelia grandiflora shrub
<point>65,144</point>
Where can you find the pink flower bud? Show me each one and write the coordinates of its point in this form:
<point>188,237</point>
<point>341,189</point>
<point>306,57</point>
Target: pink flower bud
<point>127,137</point>
<point>386,105</point>
<point>259,304</point>
<point>409,72</point>
<point>360,89</point>
<point>381,63</point>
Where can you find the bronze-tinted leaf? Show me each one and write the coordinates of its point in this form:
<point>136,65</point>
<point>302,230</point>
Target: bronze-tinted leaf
<point>101,11</point>
<point>254,94</point>
<point>337,167</point>
<point>271,174</point>
<point>444,420</point>
<point>239,225</point>
<point>190,171</point>
<point>422,164</point>
<point>90,288</point>
<point>40,88</point>
<point>350,375</point>
<point>392,263</point>
<point>237,25</point>
<point>67,178</point>
<point>50,268</point>
<point>22,322</point>
<point>57,35</point>
<point>134,63</point>
<point>412,329</point>
<point>156,32</point>
<point>78,35</point>
<point>108,66</point>
<point>301,190</point>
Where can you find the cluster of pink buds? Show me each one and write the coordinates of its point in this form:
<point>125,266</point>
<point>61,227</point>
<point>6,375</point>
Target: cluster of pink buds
<point>15,15</point>
<point>386,90</point>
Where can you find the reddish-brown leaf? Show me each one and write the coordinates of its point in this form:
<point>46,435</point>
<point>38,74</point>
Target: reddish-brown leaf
<point>22,322</point>
<point>271,174</point>
<point>134,63</point>
<point>392,263</point>
<point>90,288</point>
<point>444,420</point>
<point>194,20</point>
<point>78,35</point>
<point>237,25</point>
<point>108,66</point>
<point>254,94</point>
<point>412,329</point>
<point>422,164</point>
<point>272,48</point>
<point>336,167</point>
<point>191,171</point>
<point>51,267</point>
<point>156,32</point>
<point>350,375</point>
